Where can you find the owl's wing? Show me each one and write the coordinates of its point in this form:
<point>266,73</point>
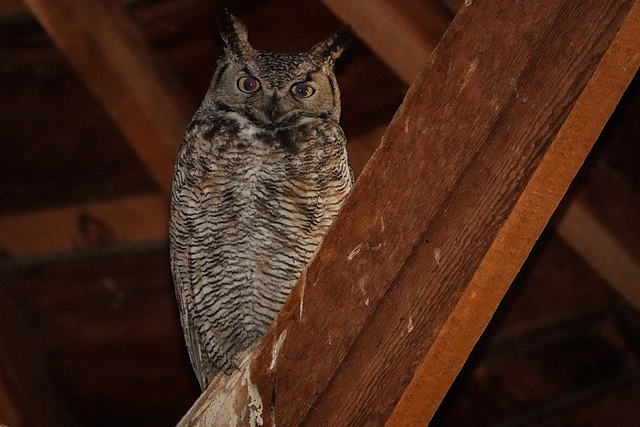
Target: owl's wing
<point>185,298</point>
<point>184,205</point>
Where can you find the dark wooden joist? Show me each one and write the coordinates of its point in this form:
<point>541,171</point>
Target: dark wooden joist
<point>470,170</point>
<point>84,226</point>
<point>111,55</point>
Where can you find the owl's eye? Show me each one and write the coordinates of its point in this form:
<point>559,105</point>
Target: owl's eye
<point>248,84</point>
<point>302,90</point>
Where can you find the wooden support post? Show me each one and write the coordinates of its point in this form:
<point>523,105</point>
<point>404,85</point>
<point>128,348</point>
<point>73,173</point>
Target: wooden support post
<point>111,55</point>
<point>472,166</point>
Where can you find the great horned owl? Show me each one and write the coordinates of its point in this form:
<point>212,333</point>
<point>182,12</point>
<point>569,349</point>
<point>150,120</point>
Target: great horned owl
<point>258,180</point>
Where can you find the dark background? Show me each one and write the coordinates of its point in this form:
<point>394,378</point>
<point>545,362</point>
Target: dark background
<point>97,327</point>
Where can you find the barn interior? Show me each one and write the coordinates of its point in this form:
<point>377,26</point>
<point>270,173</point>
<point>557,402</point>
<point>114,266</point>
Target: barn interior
<point>89,329</point>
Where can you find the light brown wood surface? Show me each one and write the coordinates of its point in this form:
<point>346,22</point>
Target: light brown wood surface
<point>111,55</point>
<point>81,227</point>
<point>402,33</point>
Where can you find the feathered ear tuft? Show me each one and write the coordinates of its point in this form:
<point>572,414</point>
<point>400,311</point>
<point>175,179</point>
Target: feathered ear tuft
<point>234,34</point>
<point>331,49</point>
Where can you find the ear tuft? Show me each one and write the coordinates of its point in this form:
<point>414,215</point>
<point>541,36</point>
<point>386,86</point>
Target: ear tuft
<point>332,48</point>
<point>234,34</point>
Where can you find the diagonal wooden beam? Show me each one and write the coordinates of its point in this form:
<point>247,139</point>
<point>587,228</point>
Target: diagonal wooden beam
<point>111,55</point>
<point>403,32</point>
<point>599,221</point>
<point>589,236</point>
<point>474,163</point>
<point>130,220</point>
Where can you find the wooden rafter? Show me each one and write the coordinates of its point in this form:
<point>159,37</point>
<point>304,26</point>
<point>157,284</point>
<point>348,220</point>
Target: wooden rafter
<point>580,230</point>
<point>128,220</point>
<point>441,219</point>
<point>111,55</point>
<point>600,224</point>
<point>402,33</point>
<point>80,227</point>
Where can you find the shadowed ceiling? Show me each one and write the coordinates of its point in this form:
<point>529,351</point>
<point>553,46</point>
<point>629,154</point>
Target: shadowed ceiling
<point>89,333</point>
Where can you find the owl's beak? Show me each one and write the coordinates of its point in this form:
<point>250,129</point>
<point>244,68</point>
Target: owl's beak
<point>272,109</point>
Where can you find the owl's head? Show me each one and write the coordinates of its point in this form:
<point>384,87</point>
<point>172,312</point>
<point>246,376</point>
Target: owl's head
<point>274,90</point>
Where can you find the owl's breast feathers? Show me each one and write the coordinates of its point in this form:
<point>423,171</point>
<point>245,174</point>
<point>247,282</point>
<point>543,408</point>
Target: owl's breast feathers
<point>249,208</point>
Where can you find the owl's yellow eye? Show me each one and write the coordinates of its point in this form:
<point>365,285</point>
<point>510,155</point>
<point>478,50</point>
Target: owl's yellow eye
<point>302,90</point>
<point>248,84</point>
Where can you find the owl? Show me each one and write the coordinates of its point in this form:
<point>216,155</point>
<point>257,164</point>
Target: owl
<point>260,176</point>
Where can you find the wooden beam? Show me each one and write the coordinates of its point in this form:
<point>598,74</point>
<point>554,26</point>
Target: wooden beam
<point>111,55</point>
<point>402,33</point>
<point>79,227</point>
<point>441,219</point>
<point>129,220</point>
<point>391,45</point>
<point>600,222</point>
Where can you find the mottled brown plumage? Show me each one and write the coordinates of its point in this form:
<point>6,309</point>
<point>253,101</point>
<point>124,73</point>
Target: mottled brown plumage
<point>261,174</point>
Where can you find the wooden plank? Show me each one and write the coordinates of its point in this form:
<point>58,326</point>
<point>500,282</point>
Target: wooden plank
<point>589,242</point>
<point>471,168</point>
<point>79,227</point>
<point>572,143</point>
<point>600,223</point>
<point>111,55</point>
<point>402,33</point>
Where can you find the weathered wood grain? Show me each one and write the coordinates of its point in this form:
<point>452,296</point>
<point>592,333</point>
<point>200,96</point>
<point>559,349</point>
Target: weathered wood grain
<point>616,26</point>
<point>586,240</point>
<point>111,55</point>
<point>472,166</point>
